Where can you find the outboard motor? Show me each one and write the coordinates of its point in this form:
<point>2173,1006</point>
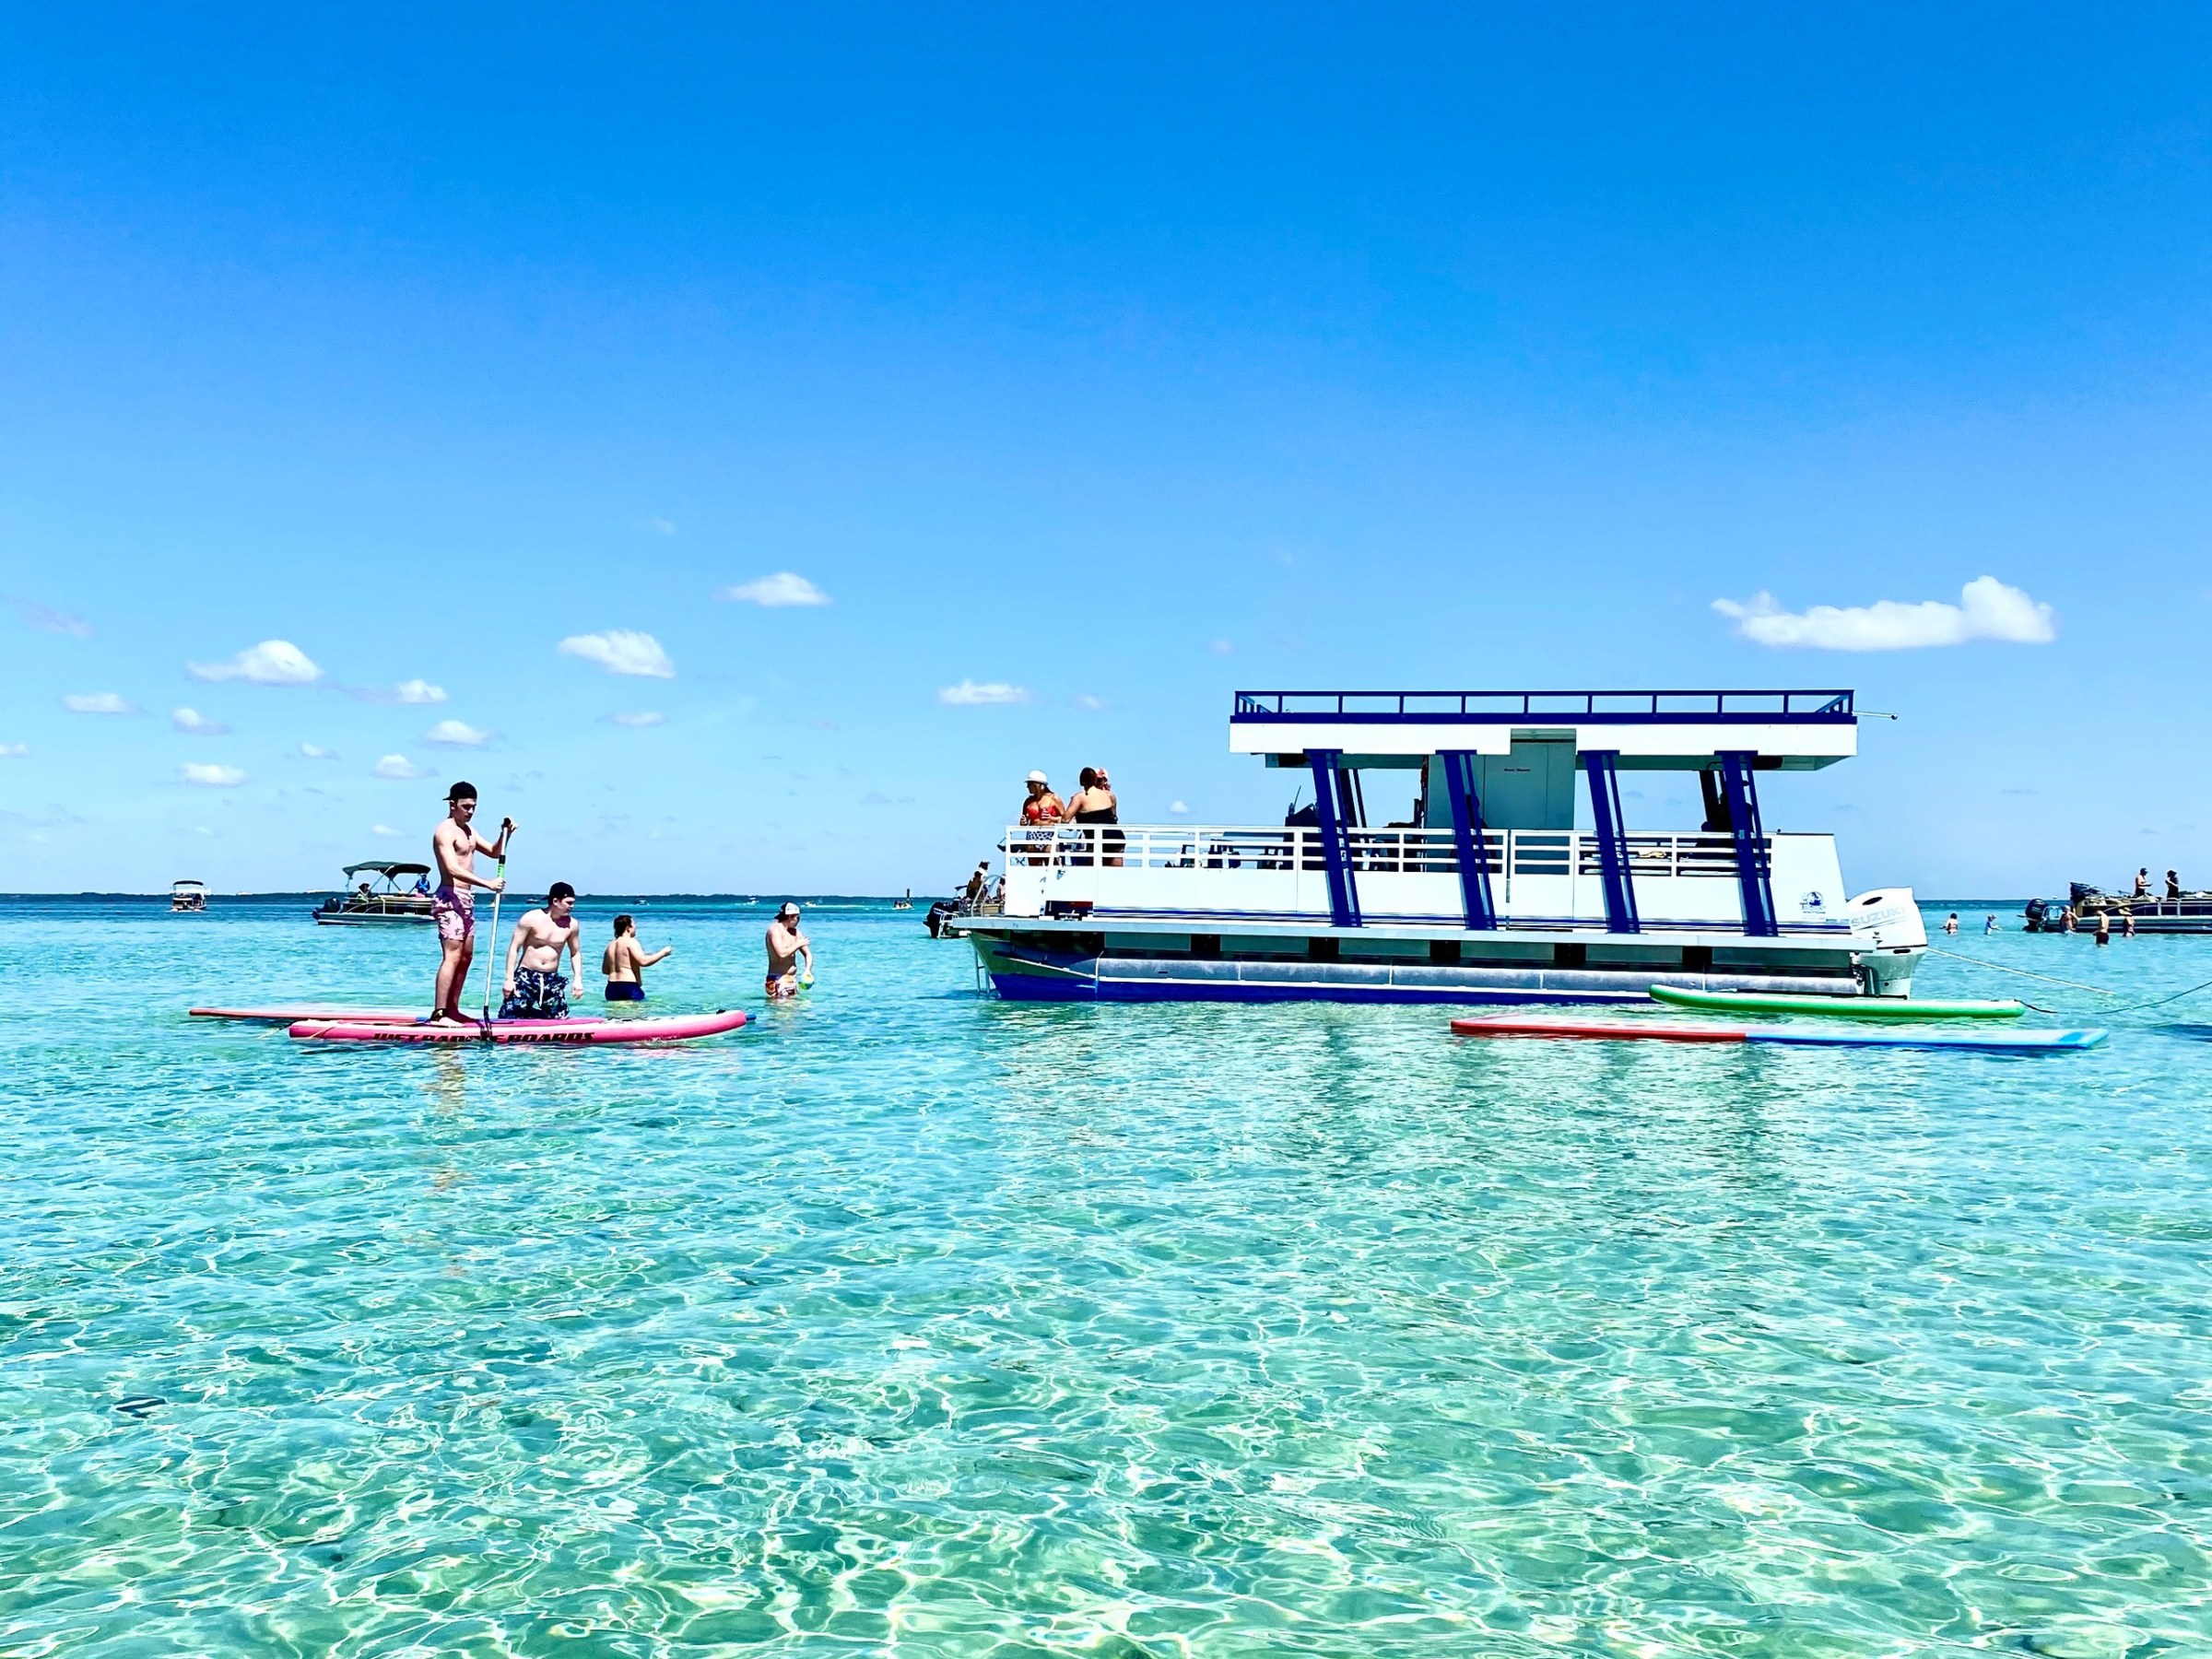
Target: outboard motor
<point>1888,940</point>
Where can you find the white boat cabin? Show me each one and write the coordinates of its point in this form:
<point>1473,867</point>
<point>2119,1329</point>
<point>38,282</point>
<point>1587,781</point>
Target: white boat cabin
<point>1490,844</point>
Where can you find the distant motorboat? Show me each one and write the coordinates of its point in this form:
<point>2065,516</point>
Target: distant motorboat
<point>383,902</point>
<point>187,897</point>
<point>905,903</point>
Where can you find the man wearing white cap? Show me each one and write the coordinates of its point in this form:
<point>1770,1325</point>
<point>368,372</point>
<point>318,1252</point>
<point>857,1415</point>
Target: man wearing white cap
<point>1041,811</point>
<point>786,944</point>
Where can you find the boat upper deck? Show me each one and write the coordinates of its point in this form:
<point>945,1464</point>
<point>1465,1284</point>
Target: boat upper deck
<point>1786,730</point>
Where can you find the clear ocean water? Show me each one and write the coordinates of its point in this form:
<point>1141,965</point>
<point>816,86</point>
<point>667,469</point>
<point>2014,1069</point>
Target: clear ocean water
<point>905,1321</point>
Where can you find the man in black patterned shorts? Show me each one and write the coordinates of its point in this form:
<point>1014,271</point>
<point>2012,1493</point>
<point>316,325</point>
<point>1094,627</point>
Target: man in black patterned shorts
<point>535,988</point>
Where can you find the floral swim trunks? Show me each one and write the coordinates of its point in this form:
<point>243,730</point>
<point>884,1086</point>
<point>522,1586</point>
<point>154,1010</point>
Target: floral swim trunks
<point>454,911</point>
<point>539,993</point>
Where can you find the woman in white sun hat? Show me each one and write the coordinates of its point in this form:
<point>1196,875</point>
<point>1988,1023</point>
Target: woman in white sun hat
<point>1041,813</point>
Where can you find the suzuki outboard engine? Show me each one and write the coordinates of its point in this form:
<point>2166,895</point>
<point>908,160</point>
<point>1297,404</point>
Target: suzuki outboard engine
<point>1888,940</point>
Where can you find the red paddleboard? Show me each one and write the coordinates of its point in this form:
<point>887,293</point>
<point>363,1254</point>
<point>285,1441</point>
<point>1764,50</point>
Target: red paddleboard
<point>321,1016</point>
<point>669,1028</point>
<point>1596,1029</point>
<point>311,1012</point>
<point>1786,1036</point>
<point>292,1014</point>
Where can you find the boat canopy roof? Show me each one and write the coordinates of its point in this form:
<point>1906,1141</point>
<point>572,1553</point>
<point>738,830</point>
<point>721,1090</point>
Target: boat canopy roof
<point>389,870</point>
<point>1684,731</point>
<point>186,881</point>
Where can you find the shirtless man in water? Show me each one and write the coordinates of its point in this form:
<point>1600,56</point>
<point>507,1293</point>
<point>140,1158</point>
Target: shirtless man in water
<point>535,990</point>
<point>454,849</point>
<point>786,944</point>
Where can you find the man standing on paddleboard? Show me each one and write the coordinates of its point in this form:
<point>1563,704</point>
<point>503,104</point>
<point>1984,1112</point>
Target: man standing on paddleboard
<point>453,848</point>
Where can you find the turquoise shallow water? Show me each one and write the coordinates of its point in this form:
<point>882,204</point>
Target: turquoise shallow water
<point>907,1322</point>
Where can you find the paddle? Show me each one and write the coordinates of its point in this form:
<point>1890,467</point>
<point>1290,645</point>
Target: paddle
<point>506,832</point>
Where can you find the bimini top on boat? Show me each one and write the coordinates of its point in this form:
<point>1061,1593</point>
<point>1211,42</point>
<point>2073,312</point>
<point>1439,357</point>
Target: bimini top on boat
<point>1486,890</point>
<point>187,895</point>
<point>400,894</point>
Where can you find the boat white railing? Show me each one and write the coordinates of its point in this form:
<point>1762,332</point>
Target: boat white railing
<point>1382,852</point>
<point>1534,875</point>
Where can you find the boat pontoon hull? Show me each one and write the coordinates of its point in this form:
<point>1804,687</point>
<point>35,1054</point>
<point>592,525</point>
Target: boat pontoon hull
<point>1028,961</point>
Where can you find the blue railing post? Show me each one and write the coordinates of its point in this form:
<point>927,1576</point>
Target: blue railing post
<point>1612,841</point>
<point>1754,866</point>
<point>1466,838</point>
<point>1336,837</point>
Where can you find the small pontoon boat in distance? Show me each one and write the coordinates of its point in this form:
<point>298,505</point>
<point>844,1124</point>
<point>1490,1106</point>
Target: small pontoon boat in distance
<point>383,903</point>
<point>187,896</point>
<point>2180,913</point>
<point>1489,893</point>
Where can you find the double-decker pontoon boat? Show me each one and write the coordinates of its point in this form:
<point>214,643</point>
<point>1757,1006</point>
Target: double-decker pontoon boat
<point>1488,893</point>
<point>384,902</point>
<point>187,896</point>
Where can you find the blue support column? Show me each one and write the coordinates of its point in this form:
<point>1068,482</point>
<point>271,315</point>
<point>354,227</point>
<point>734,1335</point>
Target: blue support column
<point>1336,837</point>
<point>1754,866</point>
<point>1466,837</point>
<point>1612,841</point>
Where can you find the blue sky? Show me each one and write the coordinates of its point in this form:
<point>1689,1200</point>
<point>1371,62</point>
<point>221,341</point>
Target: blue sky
<point>1121,358</point>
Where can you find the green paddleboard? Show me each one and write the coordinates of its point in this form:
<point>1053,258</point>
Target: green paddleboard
<point>1849,1007</point>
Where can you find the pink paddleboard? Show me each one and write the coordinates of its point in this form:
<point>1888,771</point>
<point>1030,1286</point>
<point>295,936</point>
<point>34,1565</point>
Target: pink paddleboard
<point>670,1028</point>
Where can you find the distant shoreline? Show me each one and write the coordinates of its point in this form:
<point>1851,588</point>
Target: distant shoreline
<point>760,896</point>
<point>763,895</point>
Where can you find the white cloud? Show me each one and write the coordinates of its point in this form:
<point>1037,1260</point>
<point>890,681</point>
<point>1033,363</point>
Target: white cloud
<point>14,751</point>
<point>192,720</point>
<point>643,717</point>
<point>1222,648</point>
<point>211,777</point>
<point>98,702</point>
<point>46,620</point>
<point>1178,807</point>
<point>622,650</point>
<point>315,751</point>
<point>271,663</point>
<point>783,588</point>
<point>456,733</point>
<point>968,694</point>
<point>385,829</point>
<point>1987,609</point>
<point>1091,704</point>
<point>417,691</point>
<point>400,769</point>
<point>659,526</point>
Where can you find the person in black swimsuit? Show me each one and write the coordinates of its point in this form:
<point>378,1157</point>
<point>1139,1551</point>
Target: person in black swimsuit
<point>1095,803</point>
